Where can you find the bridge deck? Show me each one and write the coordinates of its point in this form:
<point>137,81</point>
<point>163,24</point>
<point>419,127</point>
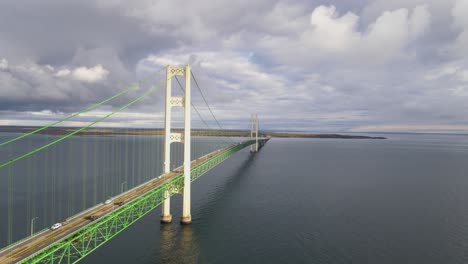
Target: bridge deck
<point>35,243</point>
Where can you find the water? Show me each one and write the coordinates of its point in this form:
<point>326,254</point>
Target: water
<point>401,200</point>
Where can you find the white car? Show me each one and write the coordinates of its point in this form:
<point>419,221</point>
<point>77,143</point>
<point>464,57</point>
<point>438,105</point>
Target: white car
<point>56,226</point>
<point>108,201</point>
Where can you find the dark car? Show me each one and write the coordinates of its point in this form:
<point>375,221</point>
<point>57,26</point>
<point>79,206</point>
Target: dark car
<point>92,217</point>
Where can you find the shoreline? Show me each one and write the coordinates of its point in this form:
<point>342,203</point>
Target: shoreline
<point>60,131</point>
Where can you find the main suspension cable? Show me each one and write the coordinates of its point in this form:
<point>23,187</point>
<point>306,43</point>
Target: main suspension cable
<point>78,130</point>
<point>206,102</point>
<point>94,106</point>
<point>198,113</point>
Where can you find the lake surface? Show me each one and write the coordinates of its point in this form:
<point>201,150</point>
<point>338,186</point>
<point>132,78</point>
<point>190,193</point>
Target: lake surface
<point>400,200</point>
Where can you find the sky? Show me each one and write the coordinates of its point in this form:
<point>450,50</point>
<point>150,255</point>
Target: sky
<point>301,65</point>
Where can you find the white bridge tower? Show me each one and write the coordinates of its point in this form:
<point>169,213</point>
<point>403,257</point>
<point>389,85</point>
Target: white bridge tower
<point>254,130</point>
<point>170,137</point>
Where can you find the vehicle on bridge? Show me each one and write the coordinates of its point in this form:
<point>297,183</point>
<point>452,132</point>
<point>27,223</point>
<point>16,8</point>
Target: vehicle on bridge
<point>92,217</point>
<point>56,226</point>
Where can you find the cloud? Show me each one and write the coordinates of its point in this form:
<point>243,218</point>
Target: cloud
<point>84,74</point>
<point>332,36</point>
<point>94,74</point>
<point>461,23</point>
<point>302,65</point>
<point>454,71</point>
<point>429,128</point>
<point>463,75</point>
<point>330,31</point>
<point>63,73</point>
<point>29,86</point>
<point>3,64</point>
<point>459,15</point>
<point>419,22</point>
<point>394,30</point>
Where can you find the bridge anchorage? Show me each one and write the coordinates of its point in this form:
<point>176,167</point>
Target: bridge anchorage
<point>83,233</point>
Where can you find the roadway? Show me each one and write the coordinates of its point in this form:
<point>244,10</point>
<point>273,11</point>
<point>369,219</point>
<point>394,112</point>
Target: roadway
<point>43,239</point>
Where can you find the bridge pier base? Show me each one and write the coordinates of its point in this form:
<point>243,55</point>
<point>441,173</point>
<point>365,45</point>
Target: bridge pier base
<point>186,215</point>
<point>186,220</point>
<point>166,216</point>
<point>166,219</point>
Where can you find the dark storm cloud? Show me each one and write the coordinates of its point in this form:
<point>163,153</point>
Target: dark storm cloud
<point>50,32</point>
<point>38,36</point>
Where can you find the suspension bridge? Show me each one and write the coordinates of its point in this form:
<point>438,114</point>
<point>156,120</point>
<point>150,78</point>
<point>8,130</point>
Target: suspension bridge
<point>92,183</point>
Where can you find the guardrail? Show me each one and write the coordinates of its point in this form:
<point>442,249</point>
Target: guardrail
<point>9,247</point>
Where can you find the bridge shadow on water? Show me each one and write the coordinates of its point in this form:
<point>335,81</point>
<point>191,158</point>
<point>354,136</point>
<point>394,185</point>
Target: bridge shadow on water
<point>222,189</point>
<point>179,243</point>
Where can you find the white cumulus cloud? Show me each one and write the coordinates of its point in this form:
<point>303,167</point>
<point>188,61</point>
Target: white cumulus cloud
<point>336,36</point>
<point>330,31</point>
<point>63,73</point>
<point>94,74</point>
<point>84,74</point>
<point>3,64</point>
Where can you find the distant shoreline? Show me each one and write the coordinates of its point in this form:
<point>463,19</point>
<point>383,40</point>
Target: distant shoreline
<point>59,131</point>
<point>307,135</point>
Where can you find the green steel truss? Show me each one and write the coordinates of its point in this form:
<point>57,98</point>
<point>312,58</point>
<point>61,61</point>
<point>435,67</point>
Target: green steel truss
<point>77,245</point>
